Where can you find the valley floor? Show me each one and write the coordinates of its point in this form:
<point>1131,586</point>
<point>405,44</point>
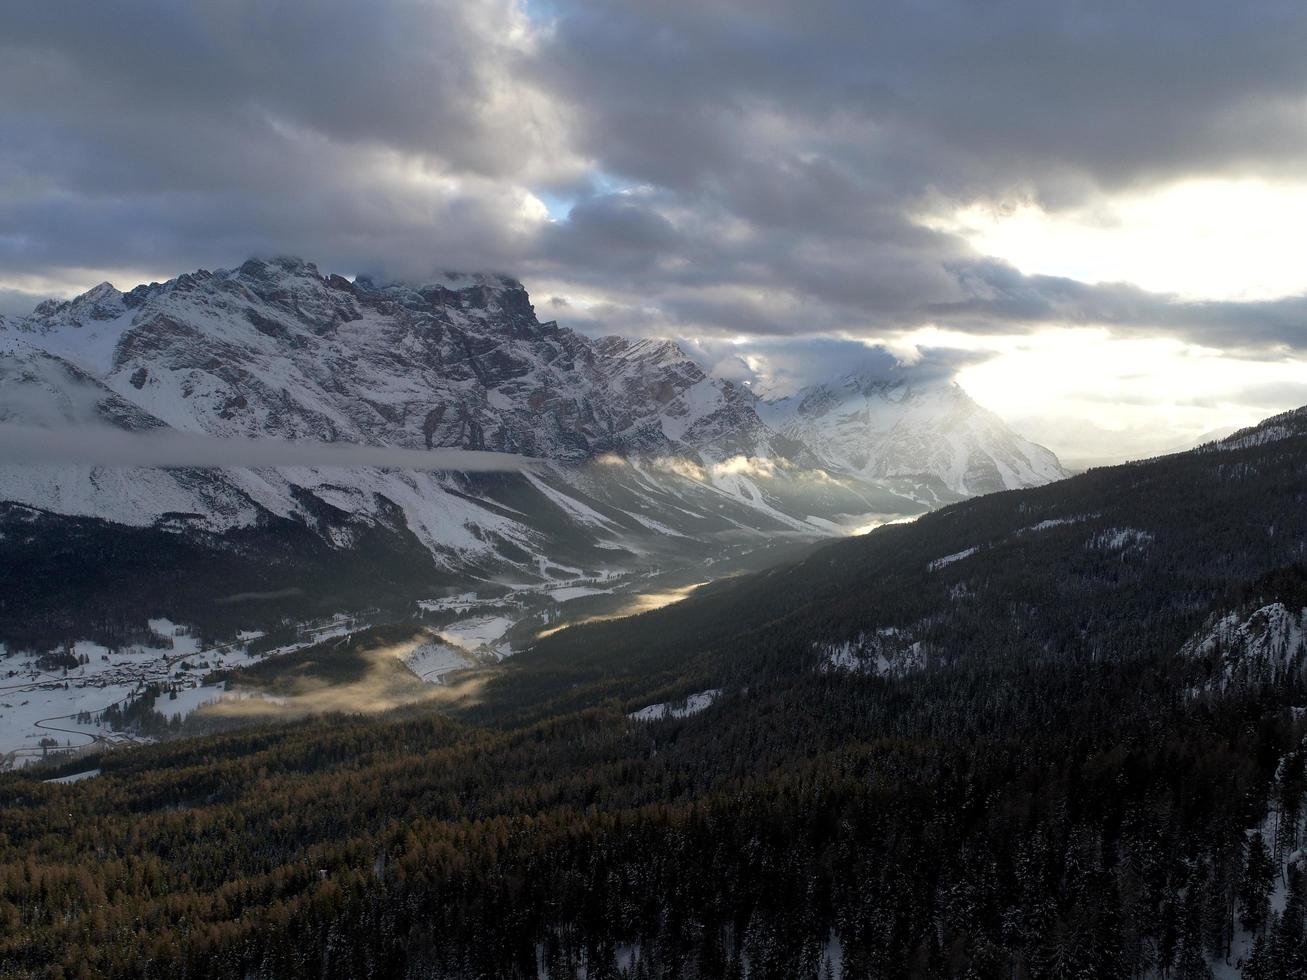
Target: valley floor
<point>54,704</point>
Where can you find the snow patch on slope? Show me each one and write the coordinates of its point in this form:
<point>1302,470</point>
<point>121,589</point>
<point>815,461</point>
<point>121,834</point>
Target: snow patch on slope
<point>1265,646</point>
<point>431,661</point>
<point>947,560</point>
<point>883,653</point>
<point>690,705</point>
<point>1119,539</point>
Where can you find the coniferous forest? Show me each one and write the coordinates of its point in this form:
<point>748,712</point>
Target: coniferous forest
<point>1011,739</point>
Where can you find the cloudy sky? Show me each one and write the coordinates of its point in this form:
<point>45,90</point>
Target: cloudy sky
<point>1091,212</point>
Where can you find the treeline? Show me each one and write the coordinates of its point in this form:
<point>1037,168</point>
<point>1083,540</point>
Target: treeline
<point>64,579</point>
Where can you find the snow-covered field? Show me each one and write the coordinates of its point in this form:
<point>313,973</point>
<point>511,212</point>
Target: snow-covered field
<point>44,711</point>
<point>480,634</point>
<point>575,592</point>
<point>483,620</point>
<point>431,661</point>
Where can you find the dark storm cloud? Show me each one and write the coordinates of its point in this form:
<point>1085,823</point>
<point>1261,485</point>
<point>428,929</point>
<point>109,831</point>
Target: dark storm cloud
<point>778,366</point>
<point>612,231</point>
<point>952,91</point>
<point>151,134</point>
<point>729,166</point>
<point>820,127</point>
<point>999,296</point>
<point>418,76</point>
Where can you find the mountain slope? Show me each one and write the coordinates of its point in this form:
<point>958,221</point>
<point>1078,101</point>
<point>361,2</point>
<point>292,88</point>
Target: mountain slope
<point>934,441</point>
<point>1097,567</point>
<point>275,349</point>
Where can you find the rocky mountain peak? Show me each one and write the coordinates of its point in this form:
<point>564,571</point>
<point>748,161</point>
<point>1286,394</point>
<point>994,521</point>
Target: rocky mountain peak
<point>100,302</point>
<point>274,348</point>
<point>277,267</point>
<point>924,439</point>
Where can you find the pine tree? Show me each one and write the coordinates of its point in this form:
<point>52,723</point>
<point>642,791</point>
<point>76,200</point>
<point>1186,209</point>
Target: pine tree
<point>1255,885</point>
<point>1190,964</point>
<point>1258,966</point>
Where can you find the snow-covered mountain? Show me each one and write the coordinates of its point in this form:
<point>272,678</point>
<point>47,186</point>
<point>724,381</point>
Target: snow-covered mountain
<point>643,458</point>
<point>275,349</point>
<point>930,443</point>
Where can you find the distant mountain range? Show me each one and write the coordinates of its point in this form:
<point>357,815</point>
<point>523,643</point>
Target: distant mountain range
<point>644,458</point>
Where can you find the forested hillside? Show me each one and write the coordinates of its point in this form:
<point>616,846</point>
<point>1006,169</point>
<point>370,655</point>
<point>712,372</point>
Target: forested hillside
<point>1002,741</point>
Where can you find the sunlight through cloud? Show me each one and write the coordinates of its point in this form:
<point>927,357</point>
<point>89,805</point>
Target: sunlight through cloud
<point>1199,239</point>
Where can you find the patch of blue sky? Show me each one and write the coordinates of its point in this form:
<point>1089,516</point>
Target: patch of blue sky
<point>560,201</point>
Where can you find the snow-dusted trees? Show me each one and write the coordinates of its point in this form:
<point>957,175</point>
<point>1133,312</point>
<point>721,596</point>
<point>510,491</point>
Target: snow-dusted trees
<point>1255,885</point>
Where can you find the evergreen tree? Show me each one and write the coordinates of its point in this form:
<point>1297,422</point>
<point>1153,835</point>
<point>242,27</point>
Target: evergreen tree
<point>1255,885</point>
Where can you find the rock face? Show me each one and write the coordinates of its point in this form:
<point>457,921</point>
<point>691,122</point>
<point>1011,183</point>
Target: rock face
<point>642,454</point>
<point>1252,646</point>
<point>275,349</point>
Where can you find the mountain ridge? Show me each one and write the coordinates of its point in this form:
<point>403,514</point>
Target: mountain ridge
<point>646,460</point>
<point>104,330</point>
